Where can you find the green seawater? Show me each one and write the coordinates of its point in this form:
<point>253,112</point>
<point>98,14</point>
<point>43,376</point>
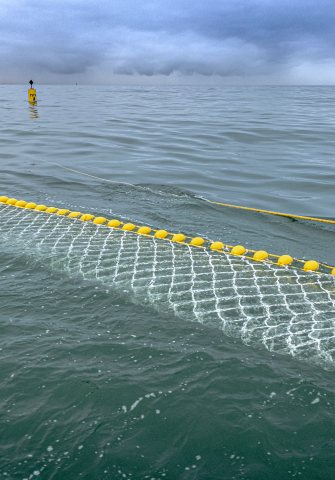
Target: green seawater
<point>97,386</point>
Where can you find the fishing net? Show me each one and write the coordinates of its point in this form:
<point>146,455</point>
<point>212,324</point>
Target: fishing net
<point>284,309</point>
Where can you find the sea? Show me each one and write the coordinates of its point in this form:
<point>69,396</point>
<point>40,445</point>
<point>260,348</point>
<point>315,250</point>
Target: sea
<point>96,385</point>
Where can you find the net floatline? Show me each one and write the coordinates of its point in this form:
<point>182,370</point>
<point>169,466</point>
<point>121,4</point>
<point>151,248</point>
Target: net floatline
<point>259,255</point>
<point>286,310</point>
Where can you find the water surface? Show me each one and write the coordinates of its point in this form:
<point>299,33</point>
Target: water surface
<point>95,386</point>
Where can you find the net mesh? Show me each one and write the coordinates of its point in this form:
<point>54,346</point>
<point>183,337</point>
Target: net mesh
<point>286,310</point>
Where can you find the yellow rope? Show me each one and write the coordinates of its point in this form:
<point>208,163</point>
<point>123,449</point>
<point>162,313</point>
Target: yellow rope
<point>279,214</point>
<point>240,207</point>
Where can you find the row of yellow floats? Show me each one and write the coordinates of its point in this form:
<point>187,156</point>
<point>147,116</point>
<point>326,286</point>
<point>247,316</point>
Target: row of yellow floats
<point>238,250</point>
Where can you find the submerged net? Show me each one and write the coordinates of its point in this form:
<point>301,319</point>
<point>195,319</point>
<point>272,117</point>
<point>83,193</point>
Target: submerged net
<point>286,310</point>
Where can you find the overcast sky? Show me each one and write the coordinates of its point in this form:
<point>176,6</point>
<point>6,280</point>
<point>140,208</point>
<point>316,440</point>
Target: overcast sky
<point>168,41</point>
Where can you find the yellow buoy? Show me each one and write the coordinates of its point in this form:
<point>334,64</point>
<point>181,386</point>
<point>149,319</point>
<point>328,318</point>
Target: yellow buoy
<point>99,220</point>
<point>30,205</point>
<point>332,271</point>
<point>178,237</point>
<point>74,214</point>
<point>260,255</point>
<point>11,201</point>
<point>129,227</point>
<point>217,246</point>
<point>284,260</point>
<point>3,199</point>
<point>311,266</point>
<point>144,230</point>
<point>51,210</point>
<point>197,241</point>
<point>114,223</point>
<point>21,203</point>
<point>87,217</point>
<point>62,211</point>
<point>32,97</point>
<point>238,250</point>
<point>41,208</point>
<point>161,234</point>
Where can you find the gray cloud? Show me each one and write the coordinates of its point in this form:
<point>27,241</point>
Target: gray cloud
<point>247,39</point>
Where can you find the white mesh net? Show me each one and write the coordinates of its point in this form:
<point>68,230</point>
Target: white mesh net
<point>286,310</point>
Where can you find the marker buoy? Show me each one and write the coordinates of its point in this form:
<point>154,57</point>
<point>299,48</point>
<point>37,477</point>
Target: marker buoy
<point>32,98</point>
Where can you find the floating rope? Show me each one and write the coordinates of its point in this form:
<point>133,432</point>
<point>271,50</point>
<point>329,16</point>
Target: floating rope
<point>261,301</point>
<point>270,212</point>
<point>221,204</point>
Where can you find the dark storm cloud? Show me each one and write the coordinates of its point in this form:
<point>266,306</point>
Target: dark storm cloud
<point>222,37</point>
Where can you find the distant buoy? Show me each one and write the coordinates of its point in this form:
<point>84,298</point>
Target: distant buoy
<point>32,97</point>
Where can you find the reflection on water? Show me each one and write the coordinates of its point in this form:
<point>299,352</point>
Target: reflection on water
<point>33,110</point>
